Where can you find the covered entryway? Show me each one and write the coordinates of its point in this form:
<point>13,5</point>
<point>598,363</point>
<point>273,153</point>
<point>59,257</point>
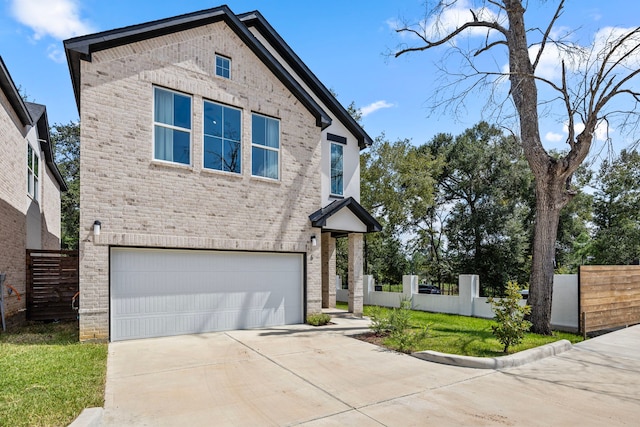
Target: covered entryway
<point>161,292</point>
<point>343,217</point>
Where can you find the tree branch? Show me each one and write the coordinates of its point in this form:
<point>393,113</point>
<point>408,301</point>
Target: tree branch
<point>545,37</point>
<point>448,37</point>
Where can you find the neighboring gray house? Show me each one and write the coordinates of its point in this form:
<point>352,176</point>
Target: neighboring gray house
<point>30,186</point>
<point>216,172</point>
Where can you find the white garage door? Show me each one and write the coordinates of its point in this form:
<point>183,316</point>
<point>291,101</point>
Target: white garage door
<point>160,292</point>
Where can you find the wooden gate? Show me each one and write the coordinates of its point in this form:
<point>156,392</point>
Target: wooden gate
<point>52,282</point>
<point>609,296</point>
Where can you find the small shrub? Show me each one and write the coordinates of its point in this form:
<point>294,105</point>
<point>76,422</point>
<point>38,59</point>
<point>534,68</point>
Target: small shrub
<point>399,318</point>
<point>318,319</point>
<point>379,320</point>
<point>396,324</point>
<point>510,316</point>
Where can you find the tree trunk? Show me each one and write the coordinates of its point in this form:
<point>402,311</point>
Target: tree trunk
<point>550,198</point>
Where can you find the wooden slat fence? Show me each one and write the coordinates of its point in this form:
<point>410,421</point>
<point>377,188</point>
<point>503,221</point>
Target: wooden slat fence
<point>52,281</point>
<point>609,297</point>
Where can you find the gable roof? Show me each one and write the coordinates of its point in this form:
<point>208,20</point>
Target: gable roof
<point>39,114</point>
<point>81,48</point>
<point>11,92</point>
<point>255,19</point>
<point>319,217</point>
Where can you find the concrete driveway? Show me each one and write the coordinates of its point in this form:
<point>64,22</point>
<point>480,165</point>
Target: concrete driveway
<point>300,375</point>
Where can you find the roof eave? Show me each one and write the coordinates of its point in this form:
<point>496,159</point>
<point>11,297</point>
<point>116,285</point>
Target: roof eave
<point>319,217</point>
<point>256,19</point>
<point>13,95</point>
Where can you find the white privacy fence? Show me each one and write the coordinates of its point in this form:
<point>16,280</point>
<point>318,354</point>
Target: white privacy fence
<point>564,310</point>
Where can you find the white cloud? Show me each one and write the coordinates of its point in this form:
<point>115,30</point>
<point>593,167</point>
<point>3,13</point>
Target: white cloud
<point>455,16</point>
<point>554,137</point>
<point>602,132</point>
<point>375,106</point>
<point>451,18</point>
<point>550,65</point>
<point>55,53</point>
<point>59,19</point>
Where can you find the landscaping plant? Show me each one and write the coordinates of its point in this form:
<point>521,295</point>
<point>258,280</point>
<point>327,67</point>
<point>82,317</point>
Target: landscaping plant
<point>510,316</point>
<point>318,319</point>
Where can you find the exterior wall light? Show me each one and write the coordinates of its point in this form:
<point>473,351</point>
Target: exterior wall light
<point>314,241</point>
<point>96,227</point>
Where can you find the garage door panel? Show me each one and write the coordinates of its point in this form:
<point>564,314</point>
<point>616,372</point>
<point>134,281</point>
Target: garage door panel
<point>158,292</point>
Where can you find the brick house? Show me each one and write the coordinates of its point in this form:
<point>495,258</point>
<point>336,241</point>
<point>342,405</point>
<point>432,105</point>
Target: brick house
<point>29,191</point>
<point>216,173</point>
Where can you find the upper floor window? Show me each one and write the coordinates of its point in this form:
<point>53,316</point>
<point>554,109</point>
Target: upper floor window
<point>223,67</point>
<point>222,137</point>
<point>337,169</point>
<point>33,172</point>
<point>172,126</point>
<point>265,147</point>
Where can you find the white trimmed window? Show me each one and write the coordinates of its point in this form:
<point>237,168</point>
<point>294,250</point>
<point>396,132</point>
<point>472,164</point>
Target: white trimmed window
<point>222,137</point>
<point>265,147</point>
<point>337,169</point>
<point>223,66</point>
<point>171,126</point>
<point>33,173</point>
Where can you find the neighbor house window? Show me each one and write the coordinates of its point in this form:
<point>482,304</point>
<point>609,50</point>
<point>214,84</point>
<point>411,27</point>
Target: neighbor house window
<point>222,145</point>
<point>337,169</point>
<point>265,147</point>
<point>33,172</point>
<point>223,67</point>
<point>172,126</point>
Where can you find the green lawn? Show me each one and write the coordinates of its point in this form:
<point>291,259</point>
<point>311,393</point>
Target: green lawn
<point>468,336</point>
<point>47,377</point>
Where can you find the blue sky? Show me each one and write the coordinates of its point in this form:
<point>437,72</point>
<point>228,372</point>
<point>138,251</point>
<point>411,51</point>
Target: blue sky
<point>345,43</point>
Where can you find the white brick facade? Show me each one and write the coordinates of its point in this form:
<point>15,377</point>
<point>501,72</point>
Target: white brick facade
<point>146,203</point>
<point>20,214</point>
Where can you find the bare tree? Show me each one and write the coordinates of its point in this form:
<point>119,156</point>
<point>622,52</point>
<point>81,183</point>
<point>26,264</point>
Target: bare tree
<point>597,86</point>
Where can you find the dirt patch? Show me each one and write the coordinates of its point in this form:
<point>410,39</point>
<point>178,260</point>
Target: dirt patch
<point>371,338</point>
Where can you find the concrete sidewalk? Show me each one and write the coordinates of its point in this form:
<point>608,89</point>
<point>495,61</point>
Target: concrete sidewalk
<point>301,375</point>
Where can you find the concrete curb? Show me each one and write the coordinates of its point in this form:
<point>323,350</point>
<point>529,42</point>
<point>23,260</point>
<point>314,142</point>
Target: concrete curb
<point>501,362</point>
<point>89,417</point>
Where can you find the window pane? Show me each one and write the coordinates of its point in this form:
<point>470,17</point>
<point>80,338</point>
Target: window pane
<point>36,166</point>
<point>337,159</point>
<point>163,106</point>
<point>232,156</point>
<point>29,156</point>
<point>273,133</point>
<point>36,194</point>
<point>272,164</point>
<point>212,119</point>
<point>163,146</point>
<point>29,182</point>
<point>212,153</point>
<point>182,111</point>
<point>181,147</point>
<point>258,130</point>
<point>232,124</point>
<point>264,163</point>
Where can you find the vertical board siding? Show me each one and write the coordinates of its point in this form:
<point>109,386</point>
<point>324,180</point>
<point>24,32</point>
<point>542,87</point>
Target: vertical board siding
<point>52,282</point>
<point>609,296</point>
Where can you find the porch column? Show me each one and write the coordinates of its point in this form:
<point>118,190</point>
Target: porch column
<point>355,273</point>
<point>328,271</point>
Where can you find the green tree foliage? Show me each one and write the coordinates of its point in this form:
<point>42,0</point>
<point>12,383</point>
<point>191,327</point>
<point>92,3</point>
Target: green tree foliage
<point>483,184</point>
<point>398,188</point>
<point>66,148</point>
<point>510,316</point>
<point>574,244</point>
<point>617,210</point>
